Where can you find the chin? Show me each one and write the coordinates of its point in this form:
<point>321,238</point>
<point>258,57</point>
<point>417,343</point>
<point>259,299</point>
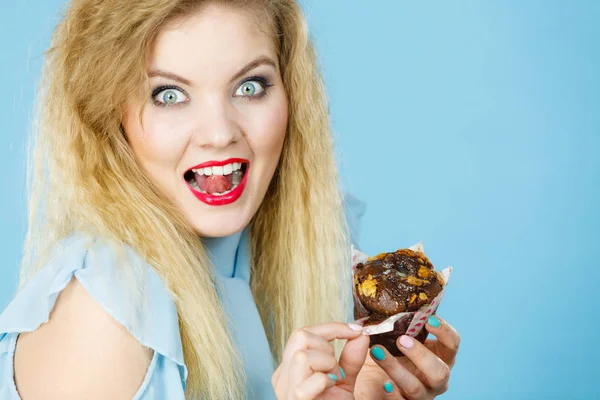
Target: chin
<point>213,219</point>
<point>219,224</point>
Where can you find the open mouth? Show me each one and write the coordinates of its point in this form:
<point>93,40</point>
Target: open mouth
<point>218,183</point>
<point>217,180</point>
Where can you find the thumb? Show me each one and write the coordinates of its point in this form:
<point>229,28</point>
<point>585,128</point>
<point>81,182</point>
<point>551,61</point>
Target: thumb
<point>352,360</point>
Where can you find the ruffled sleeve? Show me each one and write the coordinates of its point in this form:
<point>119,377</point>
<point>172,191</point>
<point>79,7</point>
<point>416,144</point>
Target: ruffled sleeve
<point>125,286</point>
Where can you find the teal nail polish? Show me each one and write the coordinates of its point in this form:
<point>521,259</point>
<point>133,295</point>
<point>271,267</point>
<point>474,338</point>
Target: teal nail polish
<point>342,373</point>
<point>388,387</point>
<point>332,376</point>
<point>378,353</point>
<point>433,321</point>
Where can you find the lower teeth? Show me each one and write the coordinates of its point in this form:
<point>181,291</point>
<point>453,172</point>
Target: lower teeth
<point>194,185</point>
<point>237,177</point>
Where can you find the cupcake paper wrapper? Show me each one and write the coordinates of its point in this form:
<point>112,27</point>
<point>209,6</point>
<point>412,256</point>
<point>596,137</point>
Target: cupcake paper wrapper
<point>419,318</point>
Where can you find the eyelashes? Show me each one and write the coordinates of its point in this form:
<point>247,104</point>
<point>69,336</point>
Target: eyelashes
<point>174,96</point>
<point>263,84</point>
<point>167,90</point>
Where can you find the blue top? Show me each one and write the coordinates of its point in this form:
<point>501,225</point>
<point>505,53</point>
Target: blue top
<point>93,262</point>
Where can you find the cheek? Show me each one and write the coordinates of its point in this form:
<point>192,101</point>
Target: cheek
<point>268,133</point>
<point>157,144</point>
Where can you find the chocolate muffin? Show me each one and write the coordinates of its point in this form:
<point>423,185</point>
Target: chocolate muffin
<point>392,283</point>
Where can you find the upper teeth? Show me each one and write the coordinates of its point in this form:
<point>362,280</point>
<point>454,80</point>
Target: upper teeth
<point>222,170</point>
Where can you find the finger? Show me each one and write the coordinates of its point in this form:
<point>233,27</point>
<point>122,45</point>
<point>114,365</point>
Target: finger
<point>409,385</point>
<point>391,391</point>
<point>435,371</point>
<point>318,361</point>
<point>306,362</point>
<point>298,369</point>
<point>316,337</point>
<point>352,360</point>
<point>334,330</point>
<point>302,339</point>
<point>448,338</point>
<point>313,386</point>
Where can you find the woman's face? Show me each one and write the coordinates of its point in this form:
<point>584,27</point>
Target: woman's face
<point>212,133</point>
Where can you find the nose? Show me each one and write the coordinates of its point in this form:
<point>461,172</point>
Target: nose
<point>217,127</point>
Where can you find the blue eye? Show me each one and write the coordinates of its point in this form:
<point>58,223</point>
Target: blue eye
<point>168,96</point>
<point>250,88</point>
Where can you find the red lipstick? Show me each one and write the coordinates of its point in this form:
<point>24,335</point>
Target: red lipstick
<point>221,200</point>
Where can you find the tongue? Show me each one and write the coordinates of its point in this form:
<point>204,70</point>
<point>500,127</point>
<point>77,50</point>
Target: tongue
<point>214,183</point>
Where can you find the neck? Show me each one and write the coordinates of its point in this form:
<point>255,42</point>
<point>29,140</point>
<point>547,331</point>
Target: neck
<point>223,252</point>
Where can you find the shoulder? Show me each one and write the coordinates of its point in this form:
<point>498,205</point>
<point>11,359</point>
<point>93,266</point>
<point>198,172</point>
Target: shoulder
<point>81,352</point>
<point>90,320</point>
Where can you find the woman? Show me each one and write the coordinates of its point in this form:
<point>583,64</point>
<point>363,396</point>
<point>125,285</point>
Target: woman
<point>183,147</point>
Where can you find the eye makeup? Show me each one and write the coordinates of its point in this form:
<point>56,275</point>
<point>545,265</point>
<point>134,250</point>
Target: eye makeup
<point>264,82</point>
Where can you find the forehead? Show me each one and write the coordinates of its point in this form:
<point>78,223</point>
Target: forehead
<point>214,41</point>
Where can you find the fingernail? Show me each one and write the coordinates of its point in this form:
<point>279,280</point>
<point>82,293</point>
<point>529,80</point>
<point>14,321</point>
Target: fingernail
<point>342,373</point>
<point>355,327</point>
<point>378,353</point>
<point>332,376</point>
<point>388,387</point>
<point>406,342</point>
<point>433,321</point>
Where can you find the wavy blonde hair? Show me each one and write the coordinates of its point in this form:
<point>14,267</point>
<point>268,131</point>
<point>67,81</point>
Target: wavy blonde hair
<point>84,177</point>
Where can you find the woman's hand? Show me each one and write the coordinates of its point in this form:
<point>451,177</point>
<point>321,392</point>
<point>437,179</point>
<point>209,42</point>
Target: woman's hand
<point>309,369</point>
<point>422,375</point>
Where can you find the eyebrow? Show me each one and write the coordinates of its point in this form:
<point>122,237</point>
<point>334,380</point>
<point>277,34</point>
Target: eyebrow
<point>262,60</point>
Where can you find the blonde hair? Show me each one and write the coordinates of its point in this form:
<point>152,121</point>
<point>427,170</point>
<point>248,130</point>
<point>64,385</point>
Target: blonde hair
<point>84,177</point>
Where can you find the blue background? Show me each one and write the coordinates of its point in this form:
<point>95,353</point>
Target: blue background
<point>472,126</point>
